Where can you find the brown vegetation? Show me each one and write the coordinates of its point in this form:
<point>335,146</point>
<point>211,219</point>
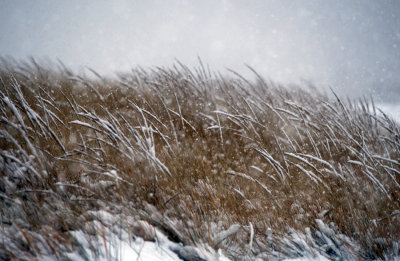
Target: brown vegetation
<point>203,149</point>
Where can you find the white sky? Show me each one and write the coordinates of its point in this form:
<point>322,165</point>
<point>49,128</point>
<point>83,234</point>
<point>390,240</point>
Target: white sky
<point>350,45</point>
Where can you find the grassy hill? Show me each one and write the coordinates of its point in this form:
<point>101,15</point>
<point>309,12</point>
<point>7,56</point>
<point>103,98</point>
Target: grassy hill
<point>248,167</point>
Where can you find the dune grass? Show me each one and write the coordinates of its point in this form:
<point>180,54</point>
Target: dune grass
<point>206,152</point>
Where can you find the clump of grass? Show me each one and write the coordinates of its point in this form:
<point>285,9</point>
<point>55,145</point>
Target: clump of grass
<point>208,153</point>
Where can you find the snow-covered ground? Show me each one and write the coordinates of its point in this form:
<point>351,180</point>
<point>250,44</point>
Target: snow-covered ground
<point>107,241</point>
<point>111,242</point>
<point>391,109</point>
<point>117,248</point>
<point>114,247</point>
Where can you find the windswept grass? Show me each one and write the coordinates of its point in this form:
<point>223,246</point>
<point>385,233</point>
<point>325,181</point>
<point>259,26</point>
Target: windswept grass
<point>241,165</point>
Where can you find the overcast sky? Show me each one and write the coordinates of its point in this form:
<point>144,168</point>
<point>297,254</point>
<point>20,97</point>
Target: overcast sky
<point>351,45</point>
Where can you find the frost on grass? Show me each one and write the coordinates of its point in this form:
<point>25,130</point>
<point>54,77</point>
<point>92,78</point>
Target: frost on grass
<point>184,164</point>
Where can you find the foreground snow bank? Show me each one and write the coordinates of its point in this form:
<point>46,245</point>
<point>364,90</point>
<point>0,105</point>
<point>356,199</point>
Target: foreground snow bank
<point>114,243</point>
<point>103,239</point>
<point>114,247</point>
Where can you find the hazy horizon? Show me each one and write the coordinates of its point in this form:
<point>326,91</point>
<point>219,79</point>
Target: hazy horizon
<point>351,46</point>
